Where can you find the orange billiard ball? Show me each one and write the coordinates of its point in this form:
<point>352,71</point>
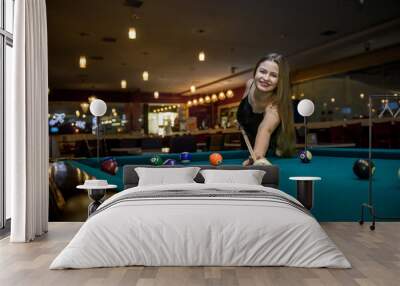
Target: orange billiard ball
<point>215,159</point>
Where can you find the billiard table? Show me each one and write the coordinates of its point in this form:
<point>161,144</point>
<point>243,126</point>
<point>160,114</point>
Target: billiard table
<point>337,197</point>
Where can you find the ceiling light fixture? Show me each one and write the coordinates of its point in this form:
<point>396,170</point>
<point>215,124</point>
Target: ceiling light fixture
<point>361,95</point>
<point>132,33</point>
<point>82,62</point>
<point>214,98</point>
<point>202,56</point>
<point>207,99</point>
<point>201,100</point>
<point>123,84</point>
<point>229,93</point>
<point>192,89</point>
<point>195,102</point>
<point>145,76</point>
<point>156,94</point>
<point>221,96</point>
<point>84,107</point>
<point>333,99</point>
<point>189,103</point>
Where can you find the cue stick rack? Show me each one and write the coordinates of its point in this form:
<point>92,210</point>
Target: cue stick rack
<point>370,205</point>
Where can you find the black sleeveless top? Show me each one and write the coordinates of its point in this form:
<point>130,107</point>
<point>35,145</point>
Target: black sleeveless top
<point>249,121</point>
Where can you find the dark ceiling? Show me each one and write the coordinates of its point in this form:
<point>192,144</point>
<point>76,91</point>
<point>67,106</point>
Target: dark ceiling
<point>232,33</point>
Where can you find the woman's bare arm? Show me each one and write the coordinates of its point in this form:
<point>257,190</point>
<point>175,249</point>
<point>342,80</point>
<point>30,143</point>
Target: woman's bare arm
<point>265,129</point>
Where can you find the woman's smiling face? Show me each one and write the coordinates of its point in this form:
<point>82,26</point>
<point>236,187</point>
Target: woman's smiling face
<point>266,77</point>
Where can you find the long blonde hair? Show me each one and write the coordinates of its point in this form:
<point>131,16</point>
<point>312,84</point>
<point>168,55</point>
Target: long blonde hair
<point>286,134</point>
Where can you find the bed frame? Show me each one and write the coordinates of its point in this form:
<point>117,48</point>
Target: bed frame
<point>270,179</point>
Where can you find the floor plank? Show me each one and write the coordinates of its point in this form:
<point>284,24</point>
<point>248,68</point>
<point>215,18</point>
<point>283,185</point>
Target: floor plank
<point>375,257</point>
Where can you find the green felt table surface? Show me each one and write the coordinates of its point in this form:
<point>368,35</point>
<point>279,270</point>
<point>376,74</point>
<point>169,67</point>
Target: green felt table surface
<point>338,196</point>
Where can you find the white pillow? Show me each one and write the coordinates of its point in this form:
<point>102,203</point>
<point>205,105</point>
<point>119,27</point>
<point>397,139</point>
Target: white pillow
<point>166,176</point>
<point>248,177</point>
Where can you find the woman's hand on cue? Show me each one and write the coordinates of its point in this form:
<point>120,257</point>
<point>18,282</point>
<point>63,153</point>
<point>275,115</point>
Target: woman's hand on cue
<point>262,162</point>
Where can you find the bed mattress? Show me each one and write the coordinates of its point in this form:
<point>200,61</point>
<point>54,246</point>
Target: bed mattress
<point>201,225</point>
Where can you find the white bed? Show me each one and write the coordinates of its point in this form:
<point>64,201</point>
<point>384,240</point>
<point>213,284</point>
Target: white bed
<point>206,230</point>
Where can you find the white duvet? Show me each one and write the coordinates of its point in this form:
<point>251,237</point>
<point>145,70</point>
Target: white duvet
<point>200,231</point>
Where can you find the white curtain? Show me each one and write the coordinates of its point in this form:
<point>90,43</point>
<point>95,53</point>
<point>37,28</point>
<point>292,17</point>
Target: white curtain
<point>26,124</point>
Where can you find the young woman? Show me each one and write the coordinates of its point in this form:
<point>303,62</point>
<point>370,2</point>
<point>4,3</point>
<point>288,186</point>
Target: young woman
<point>265,112</point>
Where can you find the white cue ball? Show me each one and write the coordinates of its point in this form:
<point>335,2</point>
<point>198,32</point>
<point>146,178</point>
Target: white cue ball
<point>262,162</point>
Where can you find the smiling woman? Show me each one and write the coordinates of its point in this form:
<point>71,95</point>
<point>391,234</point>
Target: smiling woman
<point>265,112</point>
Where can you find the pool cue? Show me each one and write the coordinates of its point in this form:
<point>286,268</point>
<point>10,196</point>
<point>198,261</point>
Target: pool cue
<point>248,144</point>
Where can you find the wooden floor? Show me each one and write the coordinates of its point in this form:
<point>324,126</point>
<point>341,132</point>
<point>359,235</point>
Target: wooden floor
<point>375,257</point>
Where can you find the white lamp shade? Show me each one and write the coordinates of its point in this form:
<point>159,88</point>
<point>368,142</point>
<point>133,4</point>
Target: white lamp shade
<point>98,107</point>
<point>305,107</point>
